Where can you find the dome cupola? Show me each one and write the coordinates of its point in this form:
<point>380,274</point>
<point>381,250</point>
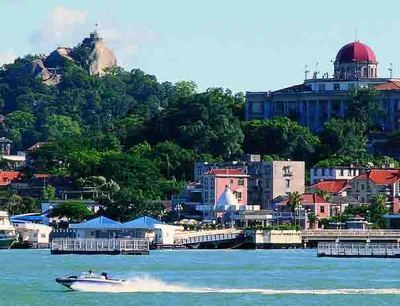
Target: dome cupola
<point>354,61</point>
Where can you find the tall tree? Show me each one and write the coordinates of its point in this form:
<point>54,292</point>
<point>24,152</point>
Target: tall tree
<point>279,136</point>
<point>365,107</point>
<point>343,137</point>
<point>62,127</point>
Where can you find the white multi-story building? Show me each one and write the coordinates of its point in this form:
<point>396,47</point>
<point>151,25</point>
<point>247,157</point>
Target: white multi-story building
<point>320,99</point>
<point>334,173</point>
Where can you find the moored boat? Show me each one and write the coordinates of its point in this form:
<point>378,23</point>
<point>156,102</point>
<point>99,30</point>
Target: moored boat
<point>8,235</point>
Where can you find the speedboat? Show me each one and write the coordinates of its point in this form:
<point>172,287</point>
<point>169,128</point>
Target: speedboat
<point>74,282</point>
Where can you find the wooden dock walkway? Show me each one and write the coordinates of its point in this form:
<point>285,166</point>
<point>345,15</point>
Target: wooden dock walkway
<point>344,249</point>
<point>100,246</point>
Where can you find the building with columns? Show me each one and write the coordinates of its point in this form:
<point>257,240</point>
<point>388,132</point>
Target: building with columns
<point>319,99</point>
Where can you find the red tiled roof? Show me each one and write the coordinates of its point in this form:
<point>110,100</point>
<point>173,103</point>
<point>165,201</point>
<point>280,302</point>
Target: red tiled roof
<point>381,176</point>
<point>308,198</point>
<point>391,85</point>
<point>331,186</point>
<point>224,172</point>
<point>7,176</point>
<point>312,198</point>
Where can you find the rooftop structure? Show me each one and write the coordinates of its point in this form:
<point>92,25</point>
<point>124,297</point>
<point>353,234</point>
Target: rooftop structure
<point>320,98</point>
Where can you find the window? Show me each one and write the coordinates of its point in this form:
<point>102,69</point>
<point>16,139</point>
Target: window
<point>43,235</point>
<point>206,182</point>
<point>287,183</point>
<point>287,170</point>
<point>362,186</point>
<point>241,182</point>
<point>238,196</point>
<point>199,171</point>
<point>321,87</point>
<point>231,181</point>
<point>256,107</point>
<point>336,86</point>
<point>315,171</point>
<point>322,209</point>
<point>211,181</point>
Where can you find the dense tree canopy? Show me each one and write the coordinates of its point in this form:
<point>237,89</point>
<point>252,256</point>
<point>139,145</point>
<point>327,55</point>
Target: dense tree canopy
<point>280,136</point>
<point>143,135</point>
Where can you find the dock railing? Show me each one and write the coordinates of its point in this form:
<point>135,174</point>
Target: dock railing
<point>358,249</point>
<point>82,245</point>
<point>207,236</point>
<point>351,233</point>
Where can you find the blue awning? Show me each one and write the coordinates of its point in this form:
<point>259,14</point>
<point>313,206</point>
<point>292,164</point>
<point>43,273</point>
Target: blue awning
<point>98,223</point>
<point>145,222</point>
<point>27,218</point>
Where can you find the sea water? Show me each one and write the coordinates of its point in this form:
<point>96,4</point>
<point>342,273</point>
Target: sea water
<point>202,277</point>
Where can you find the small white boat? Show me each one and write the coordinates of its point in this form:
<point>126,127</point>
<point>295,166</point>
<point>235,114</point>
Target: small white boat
<point>8,235</point>
<point>88,279</point>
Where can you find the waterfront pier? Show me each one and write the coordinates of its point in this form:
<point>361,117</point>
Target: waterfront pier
<point>100,246</point>
<point>312,237</point>
<point>213,239</point>
<point>345,249</point>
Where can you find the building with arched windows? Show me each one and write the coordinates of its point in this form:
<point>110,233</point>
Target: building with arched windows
<point>319,99</point>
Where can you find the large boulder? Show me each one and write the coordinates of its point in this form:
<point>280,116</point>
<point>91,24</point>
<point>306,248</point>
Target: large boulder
<point>102,58</point>
<point>57,57</point>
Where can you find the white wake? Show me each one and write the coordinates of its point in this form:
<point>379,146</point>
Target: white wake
<point>149,284</point>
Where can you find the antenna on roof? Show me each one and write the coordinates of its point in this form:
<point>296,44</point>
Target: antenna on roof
<point>391,70</point>
<point>316,72</point>
<point>355,33</point>
<point>306,71</point>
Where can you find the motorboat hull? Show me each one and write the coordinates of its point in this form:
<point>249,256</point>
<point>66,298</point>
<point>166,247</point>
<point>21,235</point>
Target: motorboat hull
<point>7,242</point>
<point>73,281</point>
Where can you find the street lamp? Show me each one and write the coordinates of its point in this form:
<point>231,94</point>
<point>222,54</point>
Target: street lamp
<point>369,216</point>
<point>276,216</point>
<point>179,207</point>
<point>306,218</point>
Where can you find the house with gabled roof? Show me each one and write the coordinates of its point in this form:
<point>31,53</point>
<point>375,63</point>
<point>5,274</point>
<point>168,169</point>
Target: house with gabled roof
<point>377,181</point>
<point>332,187</point>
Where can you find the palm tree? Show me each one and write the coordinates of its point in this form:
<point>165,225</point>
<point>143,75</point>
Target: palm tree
<point>294,202</point>
<point>312,218</point>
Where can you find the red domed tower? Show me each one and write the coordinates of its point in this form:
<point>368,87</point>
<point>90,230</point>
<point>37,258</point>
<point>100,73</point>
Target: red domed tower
<point>354,61</point>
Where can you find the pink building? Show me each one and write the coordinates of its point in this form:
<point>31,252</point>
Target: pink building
<point>310,203</point>
<point>215,181</point>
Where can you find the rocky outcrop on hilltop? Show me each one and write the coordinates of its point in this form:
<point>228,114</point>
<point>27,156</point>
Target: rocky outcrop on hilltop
<point>92,54</point>
<point>57,57</point>
<point>100,56</point>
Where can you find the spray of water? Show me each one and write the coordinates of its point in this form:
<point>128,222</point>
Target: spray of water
<point>149,284</point>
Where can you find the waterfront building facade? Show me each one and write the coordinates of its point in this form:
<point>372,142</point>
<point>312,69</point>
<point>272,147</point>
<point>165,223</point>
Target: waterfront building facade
<point>377,181</point>
<point>318,174</point>
<point>266,179</point>
<point>320,99</point>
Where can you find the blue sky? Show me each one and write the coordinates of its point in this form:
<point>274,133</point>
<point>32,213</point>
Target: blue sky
<point>249,45</point>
